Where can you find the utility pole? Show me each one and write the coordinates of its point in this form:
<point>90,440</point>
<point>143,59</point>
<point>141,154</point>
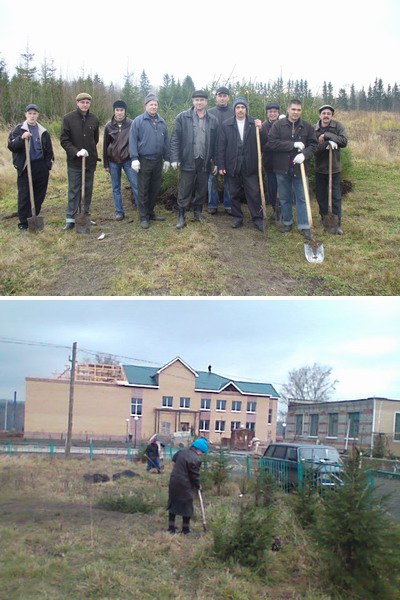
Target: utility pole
<point>14,411</point>
<point>71,400</point>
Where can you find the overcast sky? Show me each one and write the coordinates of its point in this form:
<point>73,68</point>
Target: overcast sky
<point>259,340</point>
<point>343,42</point>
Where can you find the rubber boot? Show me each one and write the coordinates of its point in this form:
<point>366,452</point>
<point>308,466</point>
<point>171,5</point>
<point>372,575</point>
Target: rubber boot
<point>182,219</point>
<point>198,216</point>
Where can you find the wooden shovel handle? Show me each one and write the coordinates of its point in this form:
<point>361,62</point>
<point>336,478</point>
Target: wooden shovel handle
<point>83,182</point>
<point>306,194</point>
<point>330,179</point>
<point>260,177</point>
<point>29,169</point>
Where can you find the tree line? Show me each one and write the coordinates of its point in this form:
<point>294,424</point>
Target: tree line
<point>56,96</point>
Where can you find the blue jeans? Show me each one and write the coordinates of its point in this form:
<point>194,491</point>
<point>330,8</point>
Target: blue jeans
<point>115,172</point>
<point>153,463</point>
<point>213,196</point>
<point>287,185</point>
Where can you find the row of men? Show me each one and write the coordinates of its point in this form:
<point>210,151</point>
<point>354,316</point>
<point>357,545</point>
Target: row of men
<point>205,143</point>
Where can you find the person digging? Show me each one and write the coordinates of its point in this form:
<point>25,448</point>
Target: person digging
<point>184,484</point>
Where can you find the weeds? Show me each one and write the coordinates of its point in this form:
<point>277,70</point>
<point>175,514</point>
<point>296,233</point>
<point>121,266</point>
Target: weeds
<point>125,504</point>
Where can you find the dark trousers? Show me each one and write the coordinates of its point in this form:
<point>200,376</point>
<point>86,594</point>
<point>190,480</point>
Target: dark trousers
<point>322,193</point>
<point>149,183</point>
<point>40,180</point>
<point>251,189</point>
<point>193,182</point>
<point>74,192</point>
<point>272,188</point>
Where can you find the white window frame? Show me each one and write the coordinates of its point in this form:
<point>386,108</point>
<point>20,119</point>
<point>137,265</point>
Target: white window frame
<point>164,401</point>
<point>136,403</point>
<point>184,402</point>
<point>219,402</point>
<point>249,406</point>
<point>203,425</point>
<point>251,426</point>
<point>205,401</point>
<point>237,402</point>
<point>220,426</point>
<point>235,425</point>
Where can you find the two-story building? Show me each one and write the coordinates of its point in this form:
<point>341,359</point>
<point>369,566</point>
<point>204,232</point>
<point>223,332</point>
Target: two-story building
<point>113,402</point>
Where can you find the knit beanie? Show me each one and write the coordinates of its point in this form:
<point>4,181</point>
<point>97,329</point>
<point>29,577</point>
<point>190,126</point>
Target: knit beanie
<point>241,101</point>
<point>119,104</point>
<point>150,97</point>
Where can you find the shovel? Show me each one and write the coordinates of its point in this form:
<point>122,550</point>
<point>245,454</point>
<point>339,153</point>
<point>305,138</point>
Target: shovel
<point>82,221</point>
<point>313,250</point>
<point>203,513</point>
<point>330,221</point>
<point>260,180</point>
<point>35,223</point>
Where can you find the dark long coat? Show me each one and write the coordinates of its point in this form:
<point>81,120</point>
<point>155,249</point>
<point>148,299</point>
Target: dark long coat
<point>184,482</point>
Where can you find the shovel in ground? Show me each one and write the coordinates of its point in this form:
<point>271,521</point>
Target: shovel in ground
<point>203,512</point>
<point>82,220</point>
<point>330,221</point>
<point>35,223</point>
<point>313,250</point>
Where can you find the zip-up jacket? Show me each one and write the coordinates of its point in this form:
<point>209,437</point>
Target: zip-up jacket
<point>268,157</point>
<point>336,133</point>
<point>282,136</point>
<point>182,140</point>
<point>228,142</point>
<point>17,146</point>
<point>77,132</point>
<point>148,137</point>
<point>116,141</point>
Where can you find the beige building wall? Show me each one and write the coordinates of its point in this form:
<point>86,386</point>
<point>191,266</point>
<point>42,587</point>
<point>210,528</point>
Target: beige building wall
<point>385,421</point>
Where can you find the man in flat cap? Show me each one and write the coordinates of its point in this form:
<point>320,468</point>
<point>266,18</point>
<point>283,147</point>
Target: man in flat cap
<point>149,153</point>
<point>79,138</point>
<point>41,158</point>
<point>272,111</point>
<point>331,137</point>
<point>116,155</point>
<point>193,147</point>
<point>222,111</point>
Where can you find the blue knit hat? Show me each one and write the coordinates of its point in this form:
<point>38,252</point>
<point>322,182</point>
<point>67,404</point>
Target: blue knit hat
<point>241,100</point>
<point>201,444</point>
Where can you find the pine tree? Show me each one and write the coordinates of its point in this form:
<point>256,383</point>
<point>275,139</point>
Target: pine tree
<point>353,99</point>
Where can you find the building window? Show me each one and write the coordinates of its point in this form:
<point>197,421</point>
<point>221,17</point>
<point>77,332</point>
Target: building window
<point>270,416</point>
<point>221,404</point>
<point>299,425</point>
<point>235,425</point>
<point>167,401</point>
<point>220,426</point>
<point>205,404</point>
<point>165,427</point>
<point>136,407</point>
<point>184,403</point>
<point>236,406</point>
<point>251,407</point>
<point>314,426</point>
<point>354,424</point>
<point>204,425</point>
<point>396,436</point>
<point>333,420</point>
<point>250,426</point>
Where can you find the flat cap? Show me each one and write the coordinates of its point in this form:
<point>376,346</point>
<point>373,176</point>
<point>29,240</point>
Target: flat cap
<point>83,96</point>
<point>326,106</point>
<point>272,105</point>
<point>32,107</point>
<point>200,94</point>
<point>223,90</point>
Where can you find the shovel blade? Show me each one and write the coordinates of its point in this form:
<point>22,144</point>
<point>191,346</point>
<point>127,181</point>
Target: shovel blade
<point>330,222</point>
<point>314,251</point>
<point>35,224</point>
<point>82,223</point>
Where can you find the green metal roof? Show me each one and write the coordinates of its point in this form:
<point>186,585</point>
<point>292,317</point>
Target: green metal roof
<point>206,381</point>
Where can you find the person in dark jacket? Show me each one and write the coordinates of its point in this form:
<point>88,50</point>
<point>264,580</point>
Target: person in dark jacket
<point>193,147</point>
<point>237,158</point>
<point>272,111</point>
<point>79,138</point>
<point>116,155</point>
<point>292,141</point>
<point>331,137</point>
<point>222,111</point>
<point>149,152</point>
<point>184,483</point>
<point>41,158</point>
<point>153,457</point>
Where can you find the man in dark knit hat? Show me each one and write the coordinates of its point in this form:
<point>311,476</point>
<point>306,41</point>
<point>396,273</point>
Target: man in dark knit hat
<point>79,138</point>
<point>116,155</point>
<point>272,111</point>
<point>193,147</point>
<point>149,153</point>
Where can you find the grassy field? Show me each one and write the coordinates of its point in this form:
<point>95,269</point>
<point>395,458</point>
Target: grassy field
<point>211,259</point>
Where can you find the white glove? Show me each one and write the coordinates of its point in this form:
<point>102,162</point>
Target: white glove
<point>282,116</point>
<point>136,166</point>
<point>174,165</point>
<point>166,165</point>
<point>214,170</point>
<point>333,145</point>
<point>299,145</point>
<point>299,158</point>
<point>83,152</point>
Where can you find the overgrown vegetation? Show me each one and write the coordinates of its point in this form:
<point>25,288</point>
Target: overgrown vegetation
<point>131,503</point>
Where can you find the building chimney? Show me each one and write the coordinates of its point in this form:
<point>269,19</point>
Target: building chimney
<point>209,368</point>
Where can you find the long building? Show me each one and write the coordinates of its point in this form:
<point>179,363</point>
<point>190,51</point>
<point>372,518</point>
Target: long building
<point>120,402</point>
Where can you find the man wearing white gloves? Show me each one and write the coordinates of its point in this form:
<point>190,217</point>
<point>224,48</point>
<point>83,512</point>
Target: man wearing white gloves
<point>331,137</point>
<point>292,142</point>
<point>79,138</point>
<point>149,152</point>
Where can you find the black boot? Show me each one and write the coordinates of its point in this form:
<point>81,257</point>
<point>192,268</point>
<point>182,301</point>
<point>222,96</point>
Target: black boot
<point>198,216</point>
<point>182,219</point>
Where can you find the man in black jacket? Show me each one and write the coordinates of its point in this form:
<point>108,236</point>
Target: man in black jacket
<point>41,157</point>
<point>292,141</point>
<point>272,111</point>
<point>237,158</point>
<point>184,483</point>
<point>331,137</point>
<point>79,138</point>
<point>116,155</point>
